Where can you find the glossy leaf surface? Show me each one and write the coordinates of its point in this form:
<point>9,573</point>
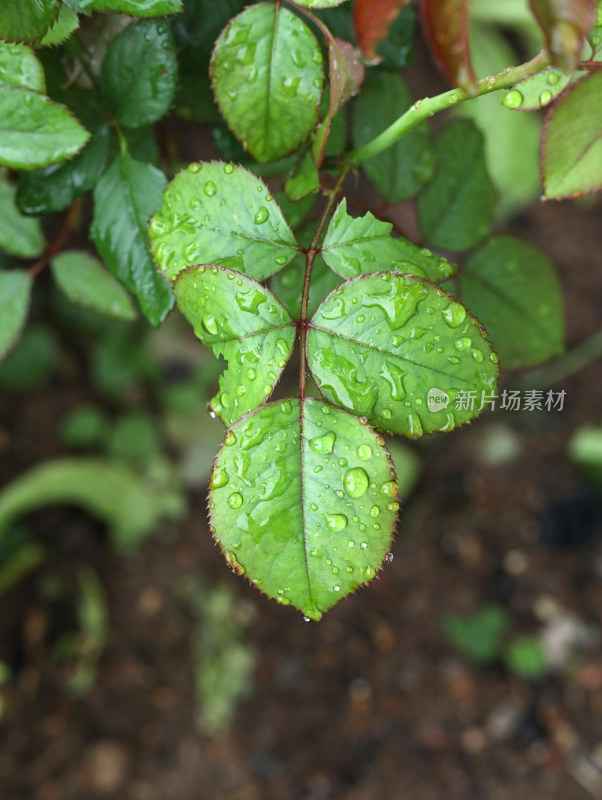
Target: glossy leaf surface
<point>357,245</point>
<point>537,91</point>
<point>85,282</point>
<point>35,132</point>
<point>19,68</point>
<point>372,20</point>
<point>215,212</point>
<point>267,75</point>
<point>20,236</point>
<point>15,293</point>
<point>445,23</point>
<point>565,24</point>
<point>124,199</point>
<point>303,501</point>
<point>455,209</point>
<point>242,321</point>
<point>402,169</point>
<point>572,141</point>
<point>26,20</point>
<point>137,8</point>
<point>139,73</point>
<point>388,346</point>
<point>54,188</point>
<point>513,289</point>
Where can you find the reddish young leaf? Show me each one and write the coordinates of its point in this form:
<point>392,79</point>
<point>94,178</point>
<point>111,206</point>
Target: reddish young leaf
<point>445,24</point>
<point>565,24</point>
<point>372,20</point>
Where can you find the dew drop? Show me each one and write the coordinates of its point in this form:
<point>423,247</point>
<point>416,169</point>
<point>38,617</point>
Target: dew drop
<point>335,522</point>
<point>553,78</point>
<point>545,97</point>
<point>194,167</point>
<point>462,344</point>
<point>477,355</point>
<point>513,99</point>
<point>356,482</point>
<point>262,215</point>
<point>219,478</point>
<point>454,315</point>
<point>374,511</point>
<point>364,452</point>
<point>336,588</point>
<point>235,500</point>
<point>210,189</point>
<point>369,572</point>
<point>230,439</point>
<point>324,443</point>
<point>389,488</point>
<point>228,169</point>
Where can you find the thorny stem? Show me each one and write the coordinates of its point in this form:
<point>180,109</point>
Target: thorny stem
<point>428,106</point>
<point>310,257</point>
<point>55,247</point>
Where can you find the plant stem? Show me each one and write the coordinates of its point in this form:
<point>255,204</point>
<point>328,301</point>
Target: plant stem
<point>566,365</point>
<point>55,247</point>
<point>310,257</point>
<point>428,106</point>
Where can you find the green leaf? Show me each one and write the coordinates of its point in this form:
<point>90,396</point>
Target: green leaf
<point>537,91</point>
<point>354,246</point>
<point>572,141</point>
<point>216,211</point>
<point>56,187</point>
<point>390,346</point>
<point>137,8</point>
<point>124,199</point>
<point>197,28</point>
<point>304,180</point>
<point>400,171</point>
<point>455,209</point>
<point>139,73</point>
<point>303,501</point>
<point>372,20</point>
<point>319,3</point>
<point>15,293</point>
<point>287,285</point>
<point>32,362</point>
<point>242,321</point>
<point>267,73</point>
<point>85,282</point>
<point>19,68</point>
<point>478,636</point>
<point>26,20</point>
<point>20,236</point>
<point>66,23</point>
<point>35,132</point>
<point>513,289</point>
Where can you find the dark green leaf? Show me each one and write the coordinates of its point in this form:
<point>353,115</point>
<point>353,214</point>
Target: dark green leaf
<point>287,285</point>
<point>26,20</point>
<point>400,171</point>
<point>216,211</point>
<point>124,199</point>
<point>32,361</point>
<point>19,68</point>
<point>15,292</point>
<point>268,74</point>
<point>456,208</point>
<point>139,73</point>
<point>303,501</point>
<point>572,141</point>
<point>513,289</point>
<point>353,246</point>
<point>86,283</point>
<point>401,352</point>
<point>54,188</point>
<point>397,50</point>
<point>137,8</point>
<point>197,28</point>
<point>35,132</point>
<point>64,26</point>
<point>20,236</point>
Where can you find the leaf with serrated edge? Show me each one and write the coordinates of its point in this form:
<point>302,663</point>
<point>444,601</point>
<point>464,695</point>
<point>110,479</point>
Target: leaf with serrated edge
<point>515,292</point>
<point>372,20</point>
<point>15,293</point>
<point>388,346</point>
<point>303,501</point>
<point>455,209</point>
<point>27,20</point>
<point>139,73</point>
<point>137,8</point>
<point>66,22</point>
<point>35,132</point>
<point>355,246</point>
<point>572,141</point>
<point>124,199</point>
<point>20,69</point>
<point>20,236</point>
<point>215,211</point>
<point>85,282</point>
<point>267,75</point>
<point>242,321</point>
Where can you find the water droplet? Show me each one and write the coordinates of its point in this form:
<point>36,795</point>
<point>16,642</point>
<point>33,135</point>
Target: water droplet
<point>251,374</point>
<point>210,189</point>
<point>336,588</point>
<point>230,439</point>
<point>386,413</point>
<point>313,506</point>
<point>356,482</point>
<point>545,97</point>
<point>477,355</point>
<point>342,462</point>
<point>297,58</point>
<point>323,444</point>
<point>195,167</point>
<point>389,488</point>
<point>262,215</point>
<point>553,78</point>
<point>462,344</point>
<point>228,169</point>
<point>374,511</point>
<point>210,324</point>
<point>415,426</point>
<point>364,452</point>
<point>235,500</point>
<point>454,314</point>
<point>335,522</point>
<point>513,99</point>
<point>219,478</point>
<point>290,85</point>
<point>369,572</point>
<point>393,506</point>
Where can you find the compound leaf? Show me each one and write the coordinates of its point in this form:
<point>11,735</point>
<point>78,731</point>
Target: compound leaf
<point>267,73</point>
<point>35,132</point>
<point>455,209</point>
<point>372,20</point>
<point>400,351</point>
<point>26,20</point>
<point>215,212</point>
<point>514,290</point>
<point>124,199</point>
<point>303,501</point>
<point>20,236</point>
<point>572,141</point>
<point>137,8</point>
<point>402,169</point>
<point>354,246</point>
<point>445,23</point>
<point>241,320</point>
<point>139,73</point>
<point>20,69</point>
<point>15,293</point>
<point>85,282</point>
